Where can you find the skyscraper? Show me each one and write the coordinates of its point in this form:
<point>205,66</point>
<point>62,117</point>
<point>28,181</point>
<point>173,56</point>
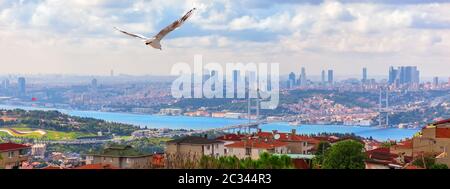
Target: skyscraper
<point>323,76</point>
<point>435,82</point>
<point>392,75</point>
<point>404,75</point>
<point>330,77</point>
<point>303,81</point>
<point>112,73</point>
<point>21,85</point>
<point>236,78</point>
<point>5,84</point>
<point>364,75</point>
<point>291,80</point>
<point>94,83</point>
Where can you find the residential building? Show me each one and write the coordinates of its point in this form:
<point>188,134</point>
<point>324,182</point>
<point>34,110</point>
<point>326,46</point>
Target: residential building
<point>384,158</point>
<point>171,111</point>
<point>120,156</point>
<point>195,147</point>
<point>38,150</point>
<point>230,139</point>
<point>12,155</point>
<point>434,139</point>
<point>296,144</point>
<point>253,147</point>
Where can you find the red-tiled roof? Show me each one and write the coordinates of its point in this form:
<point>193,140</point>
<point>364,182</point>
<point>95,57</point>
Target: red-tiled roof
<point>413,167</point>
<point>12,146</point>
<point>52,167</point>
<point>231,137</point>
<point>300,164</point>
<point>97,166</point>
<point>257,143</point>
<point>442,132</point>
<point>331,139</point>
<point>442,122</point>
<point>405,144</point>
<point>288,137</point>
<point>381,154</point>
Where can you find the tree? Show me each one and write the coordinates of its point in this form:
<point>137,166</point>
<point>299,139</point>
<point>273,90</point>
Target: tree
<point>424,161</point>
<point>428,162</point>
<point>322,148</point>
<point>346,154</point>
<point>439,166</point>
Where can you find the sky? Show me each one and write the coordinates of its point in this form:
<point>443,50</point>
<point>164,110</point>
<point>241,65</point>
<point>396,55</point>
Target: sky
<point>77,36</point>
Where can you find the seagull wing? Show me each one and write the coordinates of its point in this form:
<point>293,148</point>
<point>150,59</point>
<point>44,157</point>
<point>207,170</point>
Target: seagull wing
<point>132,34</point>
<point>174,25</point>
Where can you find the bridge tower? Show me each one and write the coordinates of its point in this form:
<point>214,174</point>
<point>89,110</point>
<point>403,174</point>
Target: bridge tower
<point>253,104</point>
<point>383,111</point>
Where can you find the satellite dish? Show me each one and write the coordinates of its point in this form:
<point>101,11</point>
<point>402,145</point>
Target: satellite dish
<point>276,136</point>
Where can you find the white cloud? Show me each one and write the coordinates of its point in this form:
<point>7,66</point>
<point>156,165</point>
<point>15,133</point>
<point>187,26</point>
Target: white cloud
<point>60,33</point>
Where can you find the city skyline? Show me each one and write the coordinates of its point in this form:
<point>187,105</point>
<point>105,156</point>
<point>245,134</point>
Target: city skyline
<point>342,35</point>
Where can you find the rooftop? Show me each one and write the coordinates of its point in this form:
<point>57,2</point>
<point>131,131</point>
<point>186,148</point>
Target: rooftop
<point>97,166</point>
<point>193,140</point>
<point>12,146</point>
<point>288,137</point>
<point>257,143</point>
<point>231,137</point>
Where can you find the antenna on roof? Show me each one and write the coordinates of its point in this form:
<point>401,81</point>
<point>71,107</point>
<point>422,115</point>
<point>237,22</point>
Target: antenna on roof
<point>276,136</point>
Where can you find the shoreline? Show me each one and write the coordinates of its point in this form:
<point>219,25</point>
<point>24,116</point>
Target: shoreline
<point>184,116</point>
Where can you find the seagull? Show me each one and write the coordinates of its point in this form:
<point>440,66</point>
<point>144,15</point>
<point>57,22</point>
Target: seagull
<point>155,40</point>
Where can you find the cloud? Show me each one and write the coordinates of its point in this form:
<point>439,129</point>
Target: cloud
<point>290,31</point>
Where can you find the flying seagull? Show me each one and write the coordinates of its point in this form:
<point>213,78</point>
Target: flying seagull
<point>155,40</point>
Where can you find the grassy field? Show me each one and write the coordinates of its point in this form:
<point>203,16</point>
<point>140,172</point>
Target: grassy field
<point>49,135</point>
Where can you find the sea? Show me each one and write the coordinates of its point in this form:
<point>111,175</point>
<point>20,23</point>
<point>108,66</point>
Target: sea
<point>200,123</point>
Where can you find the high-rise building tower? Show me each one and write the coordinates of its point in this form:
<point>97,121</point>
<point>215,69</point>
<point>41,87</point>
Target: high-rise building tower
<point>323,76</point>
<point>435,82</point>
<point>330,77</point>
<point>364,75</point>
<point>404,75</point>
<point>392,75</point>
<point>21,86</point>
<point>236,77</point>
<point>303,81</point>
<point>112,73</point>
<point>5,84</point>
<point>94,83</point>
<point>291,80</point>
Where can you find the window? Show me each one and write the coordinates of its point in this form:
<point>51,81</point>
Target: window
<point>248,151</point>
<point>208,147</point>
<point>10,154</point>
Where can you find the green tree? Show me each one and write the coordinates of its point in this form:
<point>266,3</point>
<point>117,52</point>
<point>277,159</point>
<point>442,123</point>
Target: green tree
<point>346,154</point>
<point>439,166</point>
<point>322,148</point>
<point>424,161</point>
